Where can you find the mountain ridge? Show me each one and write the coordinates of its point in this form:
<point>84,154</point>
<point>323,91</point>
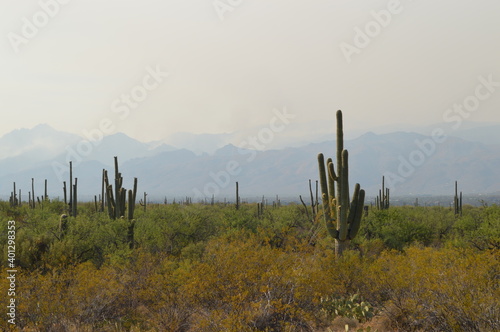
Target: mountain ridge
<point>165,171</point>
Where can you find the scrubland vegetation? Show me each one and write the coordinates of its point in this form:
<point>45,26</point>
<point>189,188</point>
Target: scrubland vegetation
<point>214,268</point>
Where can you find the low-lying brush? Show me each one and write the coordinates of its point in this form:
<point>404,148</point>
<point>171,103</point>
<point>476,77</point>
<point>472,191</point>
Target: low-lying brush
<point>211,268</point>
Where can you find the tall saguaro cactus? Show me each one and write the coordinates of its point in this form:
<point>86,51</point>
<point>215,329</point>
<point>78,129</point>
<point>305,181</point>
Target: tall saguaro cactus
<point>342,218</point>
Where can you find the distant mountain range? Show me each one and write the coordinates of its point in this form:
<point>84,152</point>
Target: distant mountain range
<point>321,131</point>
<point>414,164</point>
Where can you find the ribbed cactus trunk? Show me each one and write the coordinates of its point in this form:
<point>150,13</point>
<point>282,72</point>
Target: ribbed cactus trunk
<point>70,186</point>
<point>103,190</point>
<point>340,247</point>
<point>74,210</point>
<point>342,215</point>
<point>457,201</point>
<point>237,196</point>
<point>33,193</point>
<point>65,194</point>
<point>131,221</point>
<point>118,194</point>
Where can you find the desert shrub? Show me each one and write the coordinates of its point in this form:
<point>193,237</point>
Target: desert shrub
<point>400,227</point>
<point>31,249</point>
<point>438,290</point>
<point>479,229</point>
<point>171,228</point>
<point>248,284</point>
<point>159,299</point>
<point>243,218</point>
<point>77,296</point>
<point>212,268</point>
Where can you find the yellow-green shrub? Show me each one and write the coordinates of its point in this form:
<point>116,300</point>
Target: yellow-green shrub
<point>445,290</point>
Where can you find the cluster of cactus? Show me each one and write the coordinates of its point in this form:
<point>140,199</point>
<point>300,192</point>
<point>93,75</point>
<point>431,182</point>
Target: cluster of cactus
<point>382,200</point>
<point>116,200</point>
<point>13,200</point>
<point>342,218</point>
<point>72,192</point>
<point>277,202</point>
<point>457,201</point>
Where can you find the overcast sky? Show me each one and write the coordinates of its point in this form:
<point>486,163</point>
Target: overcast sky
<point>230,63</point>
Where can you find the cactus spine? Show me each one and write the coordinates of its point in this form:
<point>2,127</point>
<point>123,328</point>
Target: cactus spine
<point>342,218</point>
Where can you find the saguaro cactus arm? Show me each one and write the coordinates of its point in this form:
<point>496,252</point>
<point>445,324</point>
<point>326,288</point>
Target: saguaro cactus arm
<point>328,203</point>
<point>356,211</point>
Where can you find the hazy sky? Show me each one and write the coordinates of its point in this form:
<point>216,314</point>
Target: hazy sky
<point>231,62</point>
